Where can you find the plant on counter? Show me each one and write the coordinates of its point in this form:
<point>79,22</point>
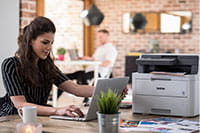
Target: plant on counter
<point>61,51</point>
<point>108,104</point>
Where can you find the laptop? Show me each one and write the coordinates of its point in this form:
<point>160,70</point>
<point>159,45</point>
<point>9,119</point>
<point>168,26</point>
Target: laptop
<point>116,84</point>
<point>73,54</point>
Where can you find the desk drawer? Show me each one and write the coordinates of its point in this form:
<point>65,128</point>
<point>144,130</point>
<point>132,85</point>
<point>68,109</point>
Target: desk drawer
<point>161,87</point>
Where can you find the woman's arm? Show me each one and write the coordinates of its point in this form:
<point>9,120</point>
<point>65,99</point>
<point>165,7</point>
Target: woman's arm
<point>20,101</point>
<point>76,89</point>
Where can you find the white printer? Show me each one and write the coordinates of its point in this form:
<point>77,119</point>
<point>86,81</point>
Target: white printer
<point>174,87</point>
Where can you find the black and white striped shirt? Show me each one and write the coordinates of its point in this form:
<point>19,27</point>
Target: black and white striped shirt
<point>15,87</point>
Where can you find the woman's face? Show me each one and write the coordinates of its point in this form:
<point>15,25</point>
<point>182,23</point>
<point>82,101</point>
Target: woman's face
<point>42,45</point>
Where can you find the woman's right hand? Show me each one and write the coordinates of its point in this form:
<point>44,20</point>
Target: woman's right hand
<point>70,110</point>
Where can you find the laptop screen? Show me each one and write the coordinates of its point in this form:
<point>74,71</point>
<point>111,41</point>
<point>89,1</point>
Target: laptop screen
<point>73,54</point>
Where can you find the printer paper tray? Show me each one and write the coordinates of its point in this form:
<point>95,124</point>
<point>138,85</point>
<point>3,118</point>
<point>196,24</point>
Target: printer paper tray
<point>161,87</point>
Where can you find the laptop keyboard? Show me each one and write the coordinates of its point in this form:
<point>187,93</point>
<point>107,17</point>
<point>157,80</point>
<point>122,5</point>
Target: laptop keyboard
<point>75,118</point>
<point>68,118</point>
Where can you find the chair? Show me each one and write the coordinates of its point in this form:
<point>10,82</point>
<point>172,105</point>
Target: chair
<point>93,82</point>
<point>107,76</point>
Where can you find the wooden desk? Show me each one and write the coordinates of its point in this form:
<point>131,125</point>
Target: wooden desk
<point>8,124</point>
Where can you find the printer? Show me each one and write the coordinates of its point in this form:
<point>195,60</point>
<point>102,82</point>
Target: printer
<point>167,84</point>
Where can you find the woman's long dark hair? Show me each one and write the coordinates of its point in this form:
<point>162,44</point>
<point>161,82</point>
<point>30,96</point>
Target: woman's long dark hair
<point>42,73</point>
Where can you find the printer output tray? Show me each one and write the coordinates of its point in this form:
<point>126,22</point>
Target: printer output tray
<point>156,61</point>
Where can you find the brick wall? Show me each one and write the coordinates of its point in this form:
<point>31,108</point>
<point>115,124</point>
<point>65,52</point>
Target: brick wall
<point>68,23</point>
<point>114,10</point>
<point>27,12</point>
<point>69,28</point>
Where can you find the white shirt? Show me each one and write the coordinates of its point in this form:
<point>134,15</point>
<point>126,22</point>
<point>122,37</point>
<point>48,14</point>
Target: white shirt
<point>105,52</point>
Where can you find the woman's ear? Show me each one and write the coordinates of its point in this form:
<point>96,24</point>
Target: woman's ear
<point>32,41</point>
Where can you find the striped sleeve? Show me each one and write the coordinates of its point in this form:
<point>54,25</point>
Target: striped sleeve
<point>10,78</point>
<point>60,78</point>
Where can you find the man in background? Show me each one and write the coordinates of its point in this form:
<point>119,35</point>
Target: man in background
<point>106,53</point>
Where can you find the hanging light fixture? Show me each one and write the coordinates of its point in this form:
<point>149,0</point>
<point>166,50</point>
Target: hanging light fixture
<point>92,16</point>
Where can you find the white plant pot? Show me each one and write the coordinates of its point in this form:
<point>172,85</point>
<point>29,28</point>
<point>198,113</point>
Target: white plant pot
<point>108,123</point>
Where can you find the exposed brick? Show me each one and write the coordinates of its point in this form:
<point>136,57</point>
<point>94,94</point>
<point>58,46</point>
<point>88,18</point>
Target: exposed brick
<point>140,41</point>
<point>182,1</point>
<point>28,14</point>
<point>24,5</point>
<point>32,6</point>
<point>113,11</point>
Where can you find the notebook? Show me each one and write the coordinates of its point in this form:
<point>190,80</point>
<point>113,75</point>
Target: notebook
<point>116,84</point>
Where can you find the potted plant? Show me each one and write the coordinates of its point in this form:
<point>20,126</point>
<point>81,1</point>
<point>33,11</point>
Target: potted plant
<point>61,52</point>
<point>108,111</point>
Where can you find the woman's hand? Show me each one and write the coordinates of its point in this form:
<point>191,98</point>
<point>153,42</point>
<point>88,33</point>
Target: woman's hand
<point>70,110</point>
<point>124,93</point>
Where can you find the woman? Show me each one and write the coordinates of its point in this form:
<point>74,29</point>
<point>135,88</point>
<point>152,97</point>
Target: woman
<point>29,75</point>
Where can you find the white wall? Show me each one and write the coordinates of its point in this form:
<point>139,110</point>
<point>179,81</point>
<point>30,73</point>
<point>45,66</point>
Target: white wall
<point>9,30</point>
